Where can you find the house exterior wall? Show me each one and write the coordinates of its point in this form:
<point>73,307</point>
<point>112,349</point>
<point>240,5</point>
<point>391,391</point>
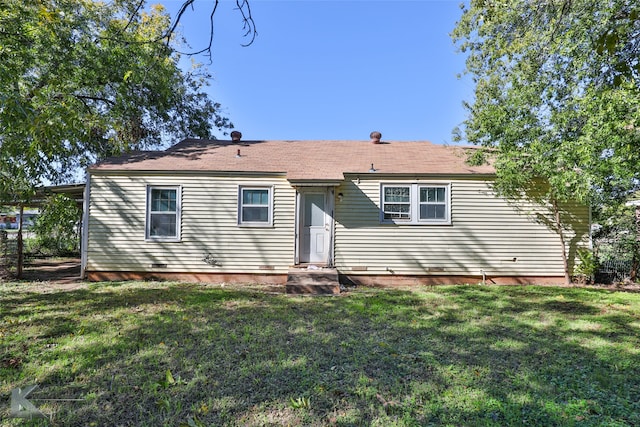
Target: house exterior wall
<point>486,235</point>
<point>209,226</point>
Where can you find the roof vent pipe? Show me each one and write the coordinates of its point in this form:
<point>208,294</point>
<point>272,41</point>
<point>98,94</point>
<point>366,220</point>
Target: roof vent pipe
<point>375,137</point>
<point>236,136</point>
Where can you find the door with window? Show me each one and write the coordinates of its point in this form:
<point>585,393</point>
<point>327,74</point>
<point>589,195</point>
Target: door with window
<point>315,227</point>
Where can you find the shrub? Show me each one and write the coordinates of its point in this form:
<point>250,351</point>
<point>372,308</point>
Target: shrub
<point>57,227</point>
<point>588,265</point>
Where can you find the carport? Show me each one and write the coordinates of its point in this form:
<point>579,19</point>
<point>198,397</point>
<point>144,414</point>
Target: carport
<point>73,191</point>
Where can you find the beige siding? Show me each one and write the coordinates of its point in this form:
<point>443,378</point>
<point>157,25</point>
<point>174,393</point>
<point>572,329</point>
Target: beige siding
<point>486,234</point>
<point>116,240</point>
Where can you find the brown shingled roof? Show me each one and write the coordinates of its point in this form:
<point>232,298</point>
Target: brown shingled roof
<point>300,160</point>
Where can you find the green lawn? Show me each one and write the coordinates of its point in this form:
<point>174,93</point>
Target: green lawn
<point>188,354</point>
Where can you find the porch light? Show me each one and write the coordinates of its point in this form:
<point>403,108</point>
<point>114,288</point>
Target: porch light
<point>372,168</point>
<point>340,196</point>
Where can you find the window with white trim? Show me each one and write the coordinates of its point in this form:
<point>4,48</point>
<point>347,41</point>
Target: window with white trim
<point>396,202</point>
<point>424,203</point>
<point>163,213</point>
<point>433,203</point>
<point>255,206</point>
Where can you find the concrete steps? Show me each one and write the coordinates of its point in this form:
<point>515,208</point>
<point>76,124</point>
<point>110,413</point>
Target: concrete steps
<point>307,281</point>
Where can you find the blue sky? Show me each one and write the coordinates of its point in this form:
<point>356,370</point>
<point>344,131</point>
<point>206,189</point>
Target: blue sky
<point>330,69</point>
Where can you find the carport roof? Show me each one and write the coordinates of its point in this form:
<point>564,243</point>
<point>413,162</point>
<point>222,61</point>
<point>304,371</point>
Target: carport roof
<point>73,191</point>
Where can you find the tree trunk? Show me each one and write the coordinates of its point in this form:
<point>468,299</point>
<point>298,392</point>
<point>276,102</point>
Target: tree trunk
<point>20,245</point>
<point>559,230</point>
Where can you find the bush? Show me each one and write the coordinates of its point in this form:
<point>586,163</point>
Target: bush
<point>57,227</point>
<point>588,265</point>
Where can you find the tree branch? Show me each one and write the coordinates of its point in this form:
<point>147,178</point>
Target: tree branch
<point>183,8</point>
<point>134,14</point>
<point>208,48</point>
<point>248,23</point>
<point>94,98</point>
<point>243,6</point>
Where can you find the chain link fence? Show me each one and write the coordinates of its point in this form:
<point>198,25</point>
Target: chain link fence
<point>8,255</point>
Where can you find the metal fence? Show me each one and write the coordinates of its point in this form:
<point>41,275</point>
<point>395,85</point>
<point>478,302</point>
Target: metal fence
<point>613,271</point>
<point>8,255</point>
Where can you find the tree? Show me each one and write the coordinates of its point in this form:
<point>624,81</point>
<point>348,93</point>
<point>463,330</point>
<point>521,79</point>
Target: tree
<point>556,94</point>
<point>57,227</point>
<point>82,80</point>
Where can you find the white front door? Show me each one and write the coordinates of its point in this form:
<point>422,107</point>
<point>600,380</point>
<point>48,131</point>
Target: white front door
<point>315,227</point>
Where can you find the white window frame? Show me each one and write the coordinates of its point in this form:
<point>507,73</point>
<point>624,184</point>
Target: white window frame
<point>178,213</point>
<point>414,210</point>
<point>383,203</point>
<point>445,202</point>
<point>269,222</point>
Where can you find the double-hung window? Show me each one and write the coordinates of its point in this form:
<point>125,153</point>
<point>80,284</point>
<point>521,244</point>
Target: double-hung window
<point>433,203</point>
<point>416,203</point>
<point>163,213</point>
<point>396,202</point>
<point>255,206</point>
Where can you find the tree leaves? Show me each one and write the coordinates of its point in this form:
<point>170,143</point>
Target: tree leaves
<point>82,80</point>
<point>555,88</point>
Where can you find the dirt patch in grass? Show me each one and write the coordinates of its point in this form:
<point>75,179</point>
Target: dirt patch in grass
<point>49,275</point>
<point>53,270</point>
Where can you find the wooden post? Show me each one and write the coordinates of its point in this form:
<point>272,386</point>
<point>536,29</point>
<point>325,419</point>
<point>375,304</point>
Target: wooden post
<point>635,261</point>
<point>20,245</point>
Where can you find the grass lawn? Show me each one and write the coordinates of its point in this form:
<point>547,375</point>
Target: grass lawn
<point>198,355</point>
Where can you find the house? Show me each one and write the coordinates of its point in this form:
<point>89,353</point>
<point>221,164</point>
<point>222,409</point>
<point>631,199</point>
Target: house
<point>379,212</point>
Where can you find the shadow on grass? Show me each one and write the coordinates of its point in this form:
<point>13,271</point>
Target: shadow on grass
<point>467,355</point>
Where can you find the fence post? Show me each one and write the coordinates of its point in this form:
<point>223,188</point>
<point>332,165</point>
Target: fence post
<point>635,262</point>
<point>4,255</point>
<point>20,245</point>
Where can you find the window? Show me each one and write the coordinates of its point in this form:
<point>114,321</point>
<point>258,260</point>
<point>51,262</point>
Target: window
<point>163,213</point>
<point>254,206</point>
<point>415,203</point>
<point>433,203</point>
<point>397,202</point>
